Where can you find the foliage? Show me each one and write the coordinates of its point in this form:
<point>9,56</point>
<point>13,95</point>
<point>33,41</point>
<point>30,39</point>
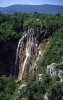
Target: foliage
<point>54,52</point>
<point>12,27</point>
<point>7,87</point>
<point>36,90</point>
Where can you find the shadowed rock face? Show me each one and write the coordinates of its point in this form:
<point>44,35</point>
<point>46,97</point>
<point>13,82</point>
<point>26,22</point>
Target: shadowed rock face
<point>7,56</point>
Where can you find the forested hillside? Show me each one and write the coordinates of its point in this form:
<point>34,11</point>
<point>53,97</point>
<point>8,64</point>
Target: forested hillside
<point>35,89</point>
<point>49,9</point>
<point>46,27</point>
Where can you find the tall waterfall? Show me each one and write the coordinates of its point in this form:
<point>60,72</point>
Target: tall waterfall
<point>29,50</point>
<point>27,53</point>
<point>13,70</point>
<point>16,60</point>
<point>26,58</point>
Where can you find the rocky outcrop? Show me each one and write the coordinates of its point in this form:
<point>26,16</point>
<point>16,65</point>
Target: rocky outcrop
<point>53,70</point>
<point>46,96</point>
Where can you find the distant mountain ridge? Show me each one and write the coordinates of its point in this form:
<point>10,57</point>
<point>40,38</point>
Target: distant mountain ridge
<point>49,9</point>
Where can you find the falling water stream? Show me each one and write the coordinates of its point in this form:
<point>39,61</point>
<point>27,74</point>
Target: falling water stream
<point>27,55</point>
<point>29,42</point>
<point>28,51</point>
<point>16,60</point>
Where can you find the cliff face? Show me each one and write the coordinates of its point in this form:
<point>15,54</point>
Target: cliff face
<point>7,56</point>
<point>29,51</point>
<point>26,51</point>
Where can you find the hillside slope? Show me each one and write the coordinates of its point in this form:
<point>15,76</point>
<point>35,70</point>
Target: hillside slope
<point>53,9</point>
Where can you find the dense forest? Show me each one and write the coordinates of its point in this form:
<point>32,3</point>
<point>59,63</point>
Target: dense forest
<point>7,87</point>
<point>45,26</point>
<point>12,26</point>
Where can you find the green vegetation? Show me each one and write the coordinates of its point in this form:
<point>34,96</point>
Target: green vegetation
<point>36,90</point>
<point>7,87</point>
<point>48,26</point>
<point>11,26</point>
<point>54,51</point>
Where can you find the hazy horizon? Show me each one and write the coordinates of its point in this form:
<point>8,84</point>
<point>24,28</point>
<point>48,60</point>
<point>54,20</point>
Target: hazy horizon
<point>5,3</point>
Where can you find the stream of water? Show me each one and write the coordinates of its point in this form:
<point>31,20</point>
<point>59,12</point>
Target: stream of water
<point>26,58</point>
<point>16,60</point>
<point>27,53</point>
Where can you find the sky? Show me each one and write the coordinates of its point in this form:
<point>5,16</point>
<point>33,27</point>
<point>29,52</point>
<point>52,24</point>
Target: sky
<point>4,3</point>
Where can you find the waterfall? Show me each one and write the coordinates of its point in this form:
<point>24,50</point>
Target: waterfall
<point>30,69</point>
<point>13,70</point>
<point>26,58</point>
<point>27,53</point>
<point>29,50</point>
<point>16,60</point>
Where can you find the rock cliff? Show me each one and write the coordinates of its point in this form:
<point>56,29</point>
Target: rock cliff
<point>29,51</point>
